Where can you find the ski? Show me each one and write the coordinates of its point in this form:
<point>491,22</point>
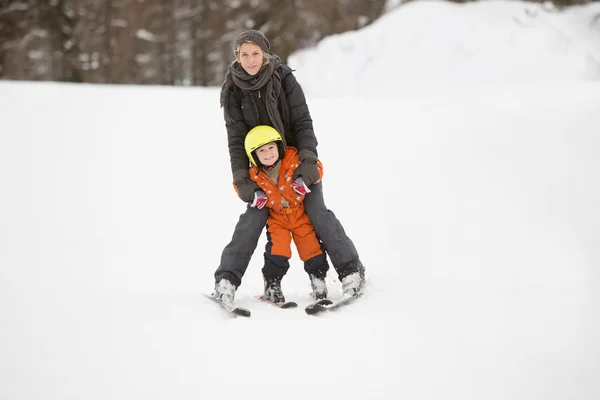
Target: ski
<point>288,304</point>
<point>328,305</point>
<point>233,311</point>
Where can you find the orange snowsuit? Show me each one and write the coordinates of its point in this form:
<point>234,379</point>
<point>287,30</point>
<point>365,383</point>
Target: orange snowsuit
<point>286,209</point>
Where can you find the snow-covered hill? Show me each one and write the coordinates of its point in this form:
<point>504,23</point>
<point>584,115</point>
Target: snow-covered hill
<point>433,42</point>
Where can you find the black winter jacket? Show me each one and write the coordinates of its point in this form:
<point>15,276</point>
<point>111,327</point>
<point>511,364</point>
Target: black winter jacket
<point>244,107</point>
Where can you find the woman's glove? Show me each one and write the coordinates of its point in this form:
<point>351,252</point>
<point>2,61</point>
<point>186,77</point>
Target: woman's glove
<point>245,186</point>
<point>260,199</point>
<point>307,169</point>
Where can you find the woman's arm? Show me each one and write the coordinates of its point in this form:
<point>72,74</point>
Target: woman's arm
<point>301,124</point>
<point>236,133</point>
<point>301,128</point>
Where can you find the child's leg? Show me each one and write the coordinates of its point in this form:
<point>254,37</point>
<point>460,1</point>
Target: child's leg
<point>277,255</point>
<point>306,241</point>
<point>312,252</point>
<point>317,266</point>
<point>277,250</point>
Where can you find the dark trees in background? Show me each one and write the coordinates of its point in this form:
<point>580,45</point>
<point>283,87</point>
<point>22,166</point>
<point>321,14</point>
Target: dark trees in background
<point>166,42</point>
<point>170,42</point>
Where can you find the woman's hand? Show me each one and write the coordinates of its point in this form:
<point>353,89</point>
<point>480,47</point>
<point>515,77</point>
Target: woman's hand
<point>307,169</point>
<point>244,186</point>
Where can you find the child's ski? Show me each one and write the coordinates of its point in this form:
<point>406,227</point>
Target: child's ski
<point>328,305</point>
<point>233,311</point>
<point>289,304</point>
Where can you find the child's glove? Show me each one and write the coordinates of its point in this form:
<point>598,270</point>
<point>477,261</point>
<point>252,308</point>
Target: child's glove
<point>260,199</point>
<point>300,187</point>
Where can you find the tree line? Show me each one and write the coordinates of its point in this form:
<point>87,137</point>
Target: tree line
<point>161,42</point>
<point>164,42</point>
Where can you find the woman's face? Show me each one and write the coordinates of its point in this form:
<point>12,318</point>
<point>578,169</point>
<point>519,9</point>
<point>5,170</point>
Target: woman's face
<point>250,57</point>
<point>268,154</point>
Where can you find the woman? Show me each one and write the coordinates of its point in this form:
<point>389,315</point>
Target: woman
<point>260,90</point>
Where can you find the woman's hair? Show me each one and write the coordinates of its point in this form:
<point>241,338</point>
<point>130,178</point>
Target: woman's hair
<point>266,56</point>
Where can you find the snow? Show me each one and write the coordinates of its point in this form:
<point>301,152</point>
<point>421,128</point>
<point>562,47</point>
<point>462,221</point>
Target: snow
<point>473,203</point>
<point>486,42</point>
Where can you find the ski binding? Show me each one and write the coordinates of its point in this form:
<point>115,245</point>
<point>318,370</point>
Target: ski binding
<point>233,311</point>
<point>288,304</point>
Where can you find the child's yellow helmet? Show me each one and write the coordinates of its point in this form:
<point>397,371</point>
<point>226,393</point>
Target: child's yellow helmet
<point>259,136</point>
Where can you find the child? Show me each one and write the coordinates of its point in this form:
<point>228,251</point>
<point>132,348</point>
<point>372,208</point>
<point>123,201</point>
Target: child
<point>272,168</point>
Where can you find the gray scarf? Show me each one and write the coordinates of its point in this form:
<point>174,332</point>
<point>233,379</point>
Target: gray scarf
<point>268,76</point>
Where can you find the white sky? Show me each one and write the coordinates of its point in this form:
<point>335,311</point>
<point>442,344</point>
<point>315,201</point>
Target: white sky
<point>473,205</point>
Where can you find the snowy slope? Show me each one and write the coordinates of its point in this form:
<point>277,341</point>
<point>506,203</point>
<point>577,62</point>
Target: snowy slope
<point>476,217</point>
<point>433,42</point>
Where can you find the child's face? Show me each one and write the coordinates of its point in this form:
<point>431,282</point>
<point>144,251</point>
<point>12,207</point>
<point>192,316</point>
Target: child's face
<point>268,154</point>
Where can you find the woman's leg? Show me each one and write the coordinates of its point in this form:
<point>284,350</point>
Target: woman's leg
<point>340,248</point>
<point>237,254</point>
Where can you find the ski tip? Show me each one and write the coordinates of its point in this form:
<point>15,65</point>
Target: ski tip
<point>315,309</point>
<point>318,307</point>
<point>241,312</point>
<point>324,302</point>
